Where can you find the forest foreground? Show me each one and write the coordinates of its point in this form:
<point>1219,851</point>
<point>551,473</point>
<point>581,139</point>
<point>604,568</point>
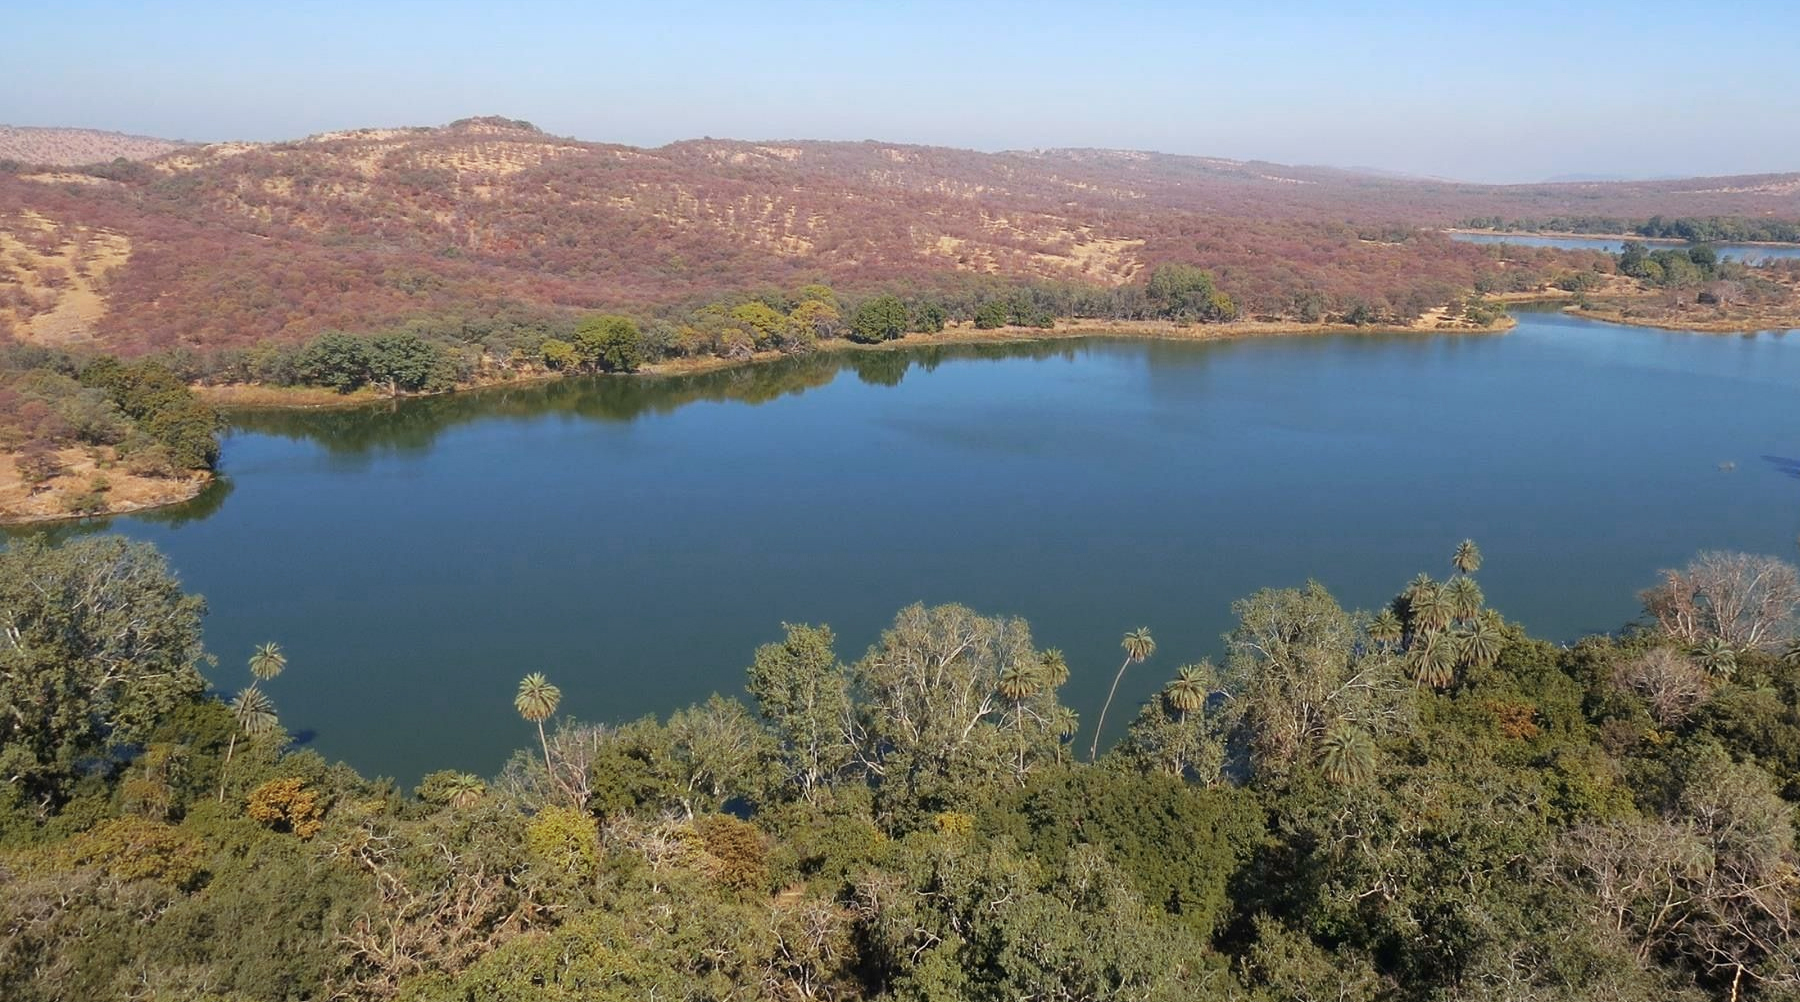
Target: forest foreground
<point>1419,803</point>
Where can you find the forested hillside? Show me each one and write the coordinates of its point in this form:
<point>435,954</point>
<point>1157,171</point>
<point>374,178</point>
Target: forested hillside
<point>1419,803</point>
<point>231,245</point>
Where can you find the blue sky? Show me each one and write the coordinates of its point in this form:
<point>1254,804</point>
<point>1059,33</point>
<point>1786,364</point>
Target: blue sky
<point>1476,90</point>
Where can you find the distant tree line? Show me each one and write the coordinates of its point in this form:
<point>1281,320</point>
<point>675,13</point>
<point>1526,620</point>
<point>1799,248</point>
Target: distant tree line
<point>1693,229</point>
<point>1671,268</point>
<point>431,354</point>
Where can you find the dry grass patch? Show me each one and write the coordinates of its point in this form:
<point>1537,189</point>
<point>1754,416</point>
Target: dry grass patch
<point>51,277</point>
<point>84,469</point>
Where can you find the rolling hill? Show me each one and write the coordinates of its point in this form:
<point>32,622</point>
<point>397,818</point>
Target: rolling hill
<point>53,147</point>
<point>238,243</point>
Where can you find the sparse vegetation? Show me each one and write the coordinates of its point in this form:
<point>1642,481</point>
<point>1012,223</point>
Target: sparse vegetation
<point>76,430</point>
<point>487,224</point>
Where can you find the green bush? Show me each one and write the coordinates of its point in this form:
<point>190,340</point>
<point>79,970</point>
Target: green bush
<point>883,318</point>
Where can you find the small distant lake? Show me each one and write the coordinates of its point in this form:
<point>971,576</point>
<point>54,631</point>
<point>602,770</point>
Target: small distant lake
<point>1747,253</point>
<point>636,538</point>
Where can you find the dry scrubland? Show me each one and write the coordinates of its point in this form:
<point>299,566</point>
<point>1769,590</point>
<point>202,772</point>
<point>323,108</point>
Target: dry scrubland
<point>83,470</point>
<point>234,244</point>
<point>482,251</point>
<point>74,147</point>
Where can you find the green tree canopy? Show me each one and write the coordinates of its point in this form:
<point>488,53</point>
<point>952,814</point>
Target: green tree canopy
<point>609,343</point>
<point>97,645</point>
<point>883,318</point>
<point>1184,292</point>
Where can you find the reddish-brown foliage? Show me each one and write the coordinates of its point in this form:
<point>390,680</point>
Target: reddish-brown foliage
<point>68,147</point>
<point>236,245</point>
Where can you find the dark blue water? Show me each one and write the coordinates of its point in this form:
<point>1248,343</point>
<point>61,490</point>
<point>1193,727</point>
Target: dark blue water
<point>636,538</point>
<point>1747,253</point>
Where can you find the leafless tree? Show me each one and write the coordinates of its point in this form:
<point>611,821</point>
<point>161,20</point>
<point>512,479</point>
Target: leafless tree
<point>1713,880</point>
<point>1668,681</point>
<point>438,906</point>
<point>1748,601</point>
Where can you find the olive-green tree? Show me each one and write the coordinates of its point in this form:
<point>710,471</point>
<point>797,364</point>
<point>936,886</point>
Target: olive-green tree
<point>1296,663</point>
<point>98,644</point>
<point>929,725</point>
<point>883,318</point>
<point>609,343</point>
<point>803,691</point>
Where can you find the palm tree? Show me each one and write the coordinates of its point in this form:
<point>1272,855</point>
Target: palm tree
<point>252,714</point>
<point>1434,663</point>
<point>1482,641</point>
<point>1138,646</point>
<point>1386,629</point>
<point>1431,609</point>
<point>1468,557</point>
<point>1188,690</point>
<point>536,701</point>
<point>1464,596</point>
<point>1460,638</point>
<point>1717,657</point>
<point>1065,724</point>
<point>1407,604</point>
<point>1019,682</point>
<point>267,661</point>
<point>1055,667</point>
<point>251,711</point>
<point>466,790</point>
<point>1347,754</point>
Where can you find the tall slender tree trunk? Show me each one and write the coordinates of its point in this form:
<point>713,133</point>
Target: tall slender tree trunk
<point>1019,732</point>
<point>549,766</point>
<point>566,787</point>
<point>1180,757</point>
<point>229,748</point>
<point>1100,725</point>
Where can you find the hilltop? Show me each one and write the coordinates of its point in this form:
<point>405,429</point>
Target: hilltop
<point>52,147</point>
<point>233,244</point>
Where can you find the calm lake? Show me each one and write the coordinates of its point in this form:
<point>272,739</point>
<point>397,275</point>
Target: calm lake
<point>1747,253</point>
<point>636,538</point>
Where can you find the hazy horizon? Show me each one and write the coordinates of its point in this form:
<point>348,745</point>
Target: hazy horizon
<point>1520,93</point>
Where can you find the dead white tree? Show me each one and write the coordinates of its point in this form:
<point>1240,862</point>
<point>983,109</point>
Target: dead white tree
<point>1671,683</point>
<point>1746,600</point>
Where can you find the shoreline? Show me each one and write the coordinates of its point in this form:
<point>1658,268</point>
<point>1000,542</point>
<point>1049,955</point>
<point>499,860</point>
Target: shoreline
<point>1568,235</point>
<point>166,493</point>
<point>256,397</point>
<point>1613,305</point>
<point>1685,327</point>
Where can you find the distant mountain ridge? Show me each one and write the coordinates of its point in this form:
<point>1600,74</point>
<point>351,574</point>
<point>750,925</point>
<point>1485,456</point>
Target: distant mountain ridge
<point>208,246</point>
